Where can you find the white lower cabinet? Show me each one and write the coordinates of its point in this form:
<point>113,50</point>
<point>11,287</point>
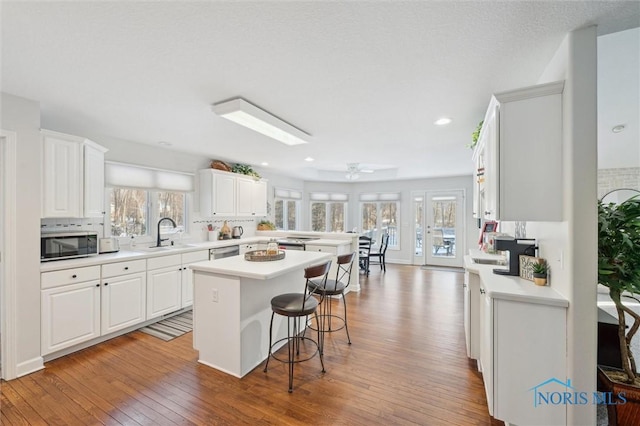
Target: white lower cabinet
<point>123,301</point>
<point>523,351</point>
<point>187,274</point>
<point>472,314</point>
<point>164,285</point>
<point>70,315</point>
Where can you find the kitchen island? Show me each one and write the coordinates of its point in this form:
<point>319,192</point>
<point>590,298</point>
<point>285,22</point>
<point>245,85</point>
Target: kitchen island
<point>232,309</point>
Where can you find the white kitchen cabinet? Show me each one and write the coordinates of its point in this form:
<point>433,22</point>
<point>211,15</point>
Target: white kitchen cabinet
<point>251,197</point>
<point>73,176</point>
<point>93,180</point>
<point>472,302</point>
<point>70,315</point>
<point>520,152</point>
<point>187,275</point>
<point>123,301</point>
<point>522,346</point>
<point>164,285</point>
<point>123,296</point>
<point>217,192</point>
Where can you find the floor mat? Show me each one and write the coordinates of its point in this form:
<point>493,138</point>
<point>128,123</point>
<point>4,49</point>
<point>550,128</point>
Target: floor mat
<point>171,327</point>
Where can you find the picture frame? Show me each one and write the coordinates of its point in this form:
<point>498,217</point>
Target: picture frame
<point>487,226</point>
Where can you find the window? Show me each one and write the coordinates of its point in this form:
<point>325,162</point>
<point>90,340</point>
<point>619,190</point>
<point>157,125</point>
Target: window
<point>381,213</point>
<point>140,196</point>
<point>132,210</point>
<point>328,212</point>
<point>287,208</point>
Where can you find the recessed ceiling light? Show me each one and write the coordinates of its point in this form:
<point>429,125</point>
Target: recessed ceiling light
<point>618,128</point>
<point>264,163</point>
<point>164,143</point>
<point>308,159</point>
<point>442,121</point>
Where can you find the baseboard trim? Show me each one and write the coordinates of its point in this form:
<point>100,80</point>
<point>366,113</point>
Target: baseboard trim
<point>30,366</point>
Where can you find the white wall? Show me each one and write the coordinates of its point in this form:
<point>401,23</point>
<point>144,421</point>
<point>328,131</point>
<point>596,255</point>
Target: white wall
<point>23,117</point>
<point>571,245</point>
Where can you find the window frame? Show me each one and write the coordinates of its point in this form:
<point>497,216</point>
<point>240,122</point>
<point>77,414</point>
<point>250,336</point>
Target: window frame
<point>345,209</point>
<point>285,213</point>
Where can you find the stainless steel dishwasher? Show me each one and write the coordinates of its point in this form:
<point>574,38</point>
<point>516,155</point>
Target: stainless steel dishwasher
<point>220,252</point>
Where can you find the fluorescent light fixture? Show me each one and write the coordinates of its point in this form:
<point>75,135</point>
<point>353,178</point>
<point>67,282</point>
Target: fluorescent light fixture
<point>442,121</point>
<point>248,115</point>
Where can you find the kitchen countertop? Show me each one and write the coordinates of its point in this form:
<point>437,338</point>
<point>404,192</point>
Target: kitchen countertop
<point>513,288</point>
<point>237,266</point>
<point>133,254</point>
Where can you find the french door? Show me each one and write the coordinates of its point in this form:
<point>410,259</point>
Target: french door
<point>439,228</point>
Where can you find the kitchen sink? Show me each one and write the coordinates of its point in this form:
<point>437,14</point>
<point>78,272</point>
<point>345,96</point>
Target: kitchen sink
<point>489,261</point>
<point>152,249</point>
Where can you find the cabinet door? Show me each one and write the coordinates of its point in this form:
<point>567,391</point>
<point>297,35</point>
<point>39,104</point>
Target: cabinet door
<point>123,301</point>
<point>486,347</point>
<point>259,198</point>
<point>489,196</point>
<point>163,291</point>
<point>70,315</point>
<point>62,179</point>
<point>244,197</point>
<point>467,314</point>
<point>93,181</point>
<point>225,195</point>
<point>187,274</point>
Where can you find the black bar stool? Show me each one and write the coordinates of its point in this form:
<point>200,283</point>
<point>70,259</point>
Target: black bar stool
<point>334,287</point>
<point>295,306</point>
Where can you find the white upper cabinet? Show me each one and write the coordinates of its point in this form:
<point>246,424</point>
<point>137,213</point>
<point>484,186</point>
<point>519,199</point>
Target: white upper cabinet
<point>73,176</point>
<point>217,193</point>
<point>251,197</point>
<point>231,194</point>
<point>519,156</point>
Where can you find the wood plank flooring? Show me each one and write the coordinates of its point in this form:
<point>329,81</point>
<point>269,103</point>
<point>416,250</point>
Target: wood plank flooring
<point>407,365</point>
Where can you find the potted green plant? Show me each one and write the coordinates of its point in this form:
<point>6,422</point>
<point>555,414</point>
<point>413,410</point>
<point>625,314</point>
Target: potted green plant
<point>245,169</point>
<point>618,269</point>
<point>540,270</point>
<point>475,136</point>
<point>266,225</point>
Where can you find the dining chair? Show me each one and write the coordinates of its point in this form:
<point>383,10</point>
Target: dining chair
<point>364,249</point>
<point>379,255</point>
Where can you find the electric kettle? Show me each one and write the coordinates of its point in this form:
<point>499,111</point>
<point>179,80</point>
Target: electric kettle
<point>237,232</point>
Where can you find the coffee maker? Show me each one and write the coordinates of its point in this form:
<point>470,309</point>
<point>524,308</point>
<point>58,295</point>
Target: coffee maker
<point>514,248</point>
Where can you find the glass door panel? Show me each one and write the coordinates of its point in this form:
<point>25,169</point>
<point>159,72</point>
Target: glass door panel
<point>443,245</point>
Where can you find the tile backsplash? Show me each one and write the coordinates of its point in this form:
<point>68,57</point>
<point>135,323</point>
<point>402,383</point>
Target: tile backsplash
<point>72,224</point>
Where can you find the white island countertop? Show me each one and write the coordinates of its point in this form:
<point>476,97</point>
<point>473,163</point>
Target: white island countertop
<point>237,266</point>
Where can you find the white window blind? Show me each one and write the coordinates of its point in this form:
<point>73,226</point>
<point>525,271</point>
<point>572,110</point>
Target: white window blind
<point>132,176</point>
<point>325,196</point>
<point>385,196</point>
<point>288,194</point>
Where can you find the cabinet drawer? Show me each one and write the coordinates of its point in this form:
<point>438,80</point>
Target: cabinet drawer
<point>323,249</point>
<point>69,276</point>
<point>164,261</point>
<point>195,256</point>
<point>121,268</point>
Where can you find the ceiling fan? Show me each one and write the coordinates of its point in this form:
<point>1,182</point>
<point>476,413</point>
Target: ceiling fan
<point>354,170</point>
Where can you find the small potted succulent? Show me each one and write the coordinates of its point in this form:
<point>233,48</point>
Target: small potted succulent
<point>540,270</point>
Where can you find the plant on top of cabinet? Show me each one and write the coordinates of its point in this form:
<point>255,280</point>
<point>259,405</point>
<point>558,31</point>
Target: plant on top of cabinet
<point>475,136</point>
<point>245,169</point>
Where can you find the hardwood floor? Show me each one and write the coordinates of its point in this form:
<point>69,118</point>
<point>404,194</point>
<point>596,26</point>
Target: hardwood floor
<point>407,365</point>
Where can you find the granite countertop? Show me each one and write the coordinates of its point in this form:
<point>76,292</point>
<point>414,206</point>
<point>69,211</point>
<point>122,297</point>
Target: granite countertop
<point>237,266</point>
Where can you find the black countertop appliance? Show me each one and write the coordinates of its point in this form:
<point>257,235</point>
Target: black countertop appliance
<point>514,248</point>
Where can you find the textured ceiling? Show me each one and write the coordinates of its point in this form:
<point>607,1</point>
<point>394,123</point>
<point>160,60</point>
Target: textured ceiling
<point>365,79</point>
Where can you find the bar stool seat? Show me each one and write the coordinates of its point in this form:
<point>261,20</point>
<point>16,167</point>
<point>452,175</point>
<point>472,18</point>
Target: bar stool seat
<point>297,306</point>
<point>334,287</point>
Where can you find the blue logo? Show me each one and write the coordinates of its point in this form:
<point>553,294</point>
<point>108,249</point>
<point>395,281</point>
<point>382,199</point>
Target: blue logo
<point>554,391</point>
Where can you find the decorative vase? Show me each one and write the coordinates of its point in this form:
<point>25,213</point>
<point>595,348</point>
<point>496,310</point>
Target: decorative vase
<point>540,279</point>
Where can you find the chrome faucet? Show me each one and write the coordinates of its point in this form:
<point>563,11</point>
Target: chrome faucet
<point>160,240</point>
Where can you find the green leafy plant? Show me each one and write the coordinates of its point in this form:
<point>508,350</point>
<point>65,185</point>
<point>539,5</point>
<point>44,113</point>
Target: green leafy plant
<point>266,225</point>
<point>618,260</point>
<point>245,169</point>
<point>475,135</point>
<point>540,268</point>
